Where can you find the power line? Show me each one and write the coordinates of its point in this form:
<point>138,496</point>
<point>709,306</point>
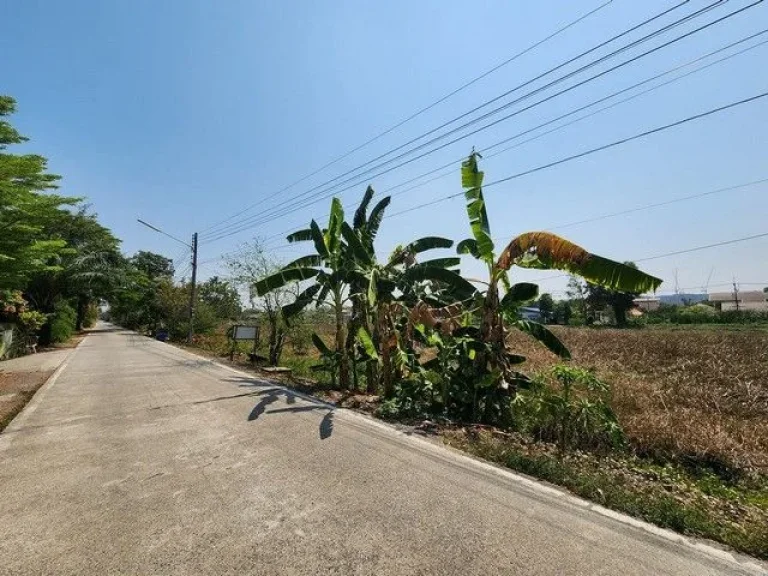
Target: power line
<point>612,214</point>
<point>495,111</point>
<point>289,209</point>
<point>730,283</point>
<point>698,248</point>
<point>451,165</point>
<point>658,204</point>
<point>604,147</point>
<point>675,253</point>
<point>590,151</point>
<point>421,111</point>
<point>156,229</point>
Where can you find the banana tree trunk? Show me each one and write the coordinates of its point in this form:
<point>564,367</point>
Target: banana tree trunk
<point>386,338</point>
<point>371,367</point>
<point>276,341</point>
<point>492,334</point>
<point>341,348</point>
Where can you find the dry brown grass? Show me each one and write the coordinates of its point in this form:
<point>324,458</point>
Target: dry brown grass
<point>692,395</point>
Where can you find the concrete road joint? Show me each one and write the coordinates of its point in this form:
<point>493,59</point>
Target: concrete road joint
<point>701,546</point>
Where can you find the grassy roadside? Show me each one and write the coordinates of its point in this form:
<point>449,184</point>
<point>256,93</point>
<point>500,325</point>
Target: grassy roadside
<point>692,502</point>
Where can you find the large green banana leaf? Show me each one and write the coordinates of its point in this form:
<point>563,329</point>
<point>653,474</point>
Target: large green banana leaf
<point>519,293</point>
<point>462,287</point>
<point>543,335</point>
<point>428,243</point>
<point>280,279</point>
<point>303,300</point>
<point>300,236</point>
<point>472,180</point>
<point>361,214</point>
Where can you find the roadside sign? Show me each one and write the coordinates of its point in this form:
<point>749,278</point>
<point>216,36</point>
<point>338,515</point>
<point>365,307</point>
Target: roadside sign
<point>244,332</point>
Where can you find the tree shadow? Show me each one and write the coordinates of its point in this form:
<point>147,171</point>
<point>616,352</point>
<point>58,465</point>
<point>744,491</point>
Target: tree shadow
<point>259,409</point>
<point>245,382</point>
<point>273,395</point>
<point>326,426</point>
<point>103,330</point>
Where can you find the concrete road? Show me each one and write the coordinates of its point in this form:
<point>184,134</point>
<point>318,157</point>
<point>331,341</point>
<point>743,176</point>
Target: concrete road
<point>139,458</point>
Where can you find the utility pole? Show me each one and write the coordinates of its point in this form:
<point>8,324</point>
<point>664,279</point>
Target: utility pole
<point>193,287</point>
<point>735,294</point>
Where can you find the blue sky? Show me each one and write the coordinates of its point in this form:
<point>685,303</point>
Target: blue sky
<point>184,113</point>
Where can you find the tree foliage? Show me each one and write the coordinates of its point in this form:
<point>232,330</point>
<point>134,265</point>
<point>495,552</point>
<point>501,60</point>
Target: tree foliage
<point>28,214</point>
<point>418,326</point>
<point>52,248</point>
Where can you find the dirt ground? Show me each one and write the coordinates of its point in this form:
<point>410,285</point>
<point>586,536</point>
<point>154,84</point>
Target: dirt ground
<point>684,393</point>
<point>16,389</point>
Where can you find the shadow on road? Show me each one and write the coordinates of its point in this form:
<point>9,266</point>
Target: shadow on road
<point>105,330</point>
<point>273,395</point>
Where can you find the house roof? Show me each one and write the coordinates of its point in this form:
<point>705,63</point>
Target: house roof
<point>744,296</point>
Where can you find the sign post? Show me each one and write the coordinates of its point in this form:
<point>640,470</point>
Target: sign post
<point>239,333</point>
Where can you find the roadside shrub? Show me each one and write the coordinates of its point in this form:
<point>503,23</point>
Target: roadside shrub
<point>299,335</point>
<point>570,407</point>
<point>91,315</point>
<point>12,303</point>
<point>62,322</point>
<point>703,314</point>
<point>412,399</point>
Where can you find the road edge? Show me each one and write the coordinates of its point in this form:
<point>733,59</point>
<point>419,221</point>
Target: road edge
<point>709,548</point>
<point>30,407</point>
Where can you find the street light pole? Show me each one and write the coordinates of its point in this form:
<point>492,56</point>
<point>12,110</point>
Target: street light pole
<point>193,285</point>
<point>192,290</point>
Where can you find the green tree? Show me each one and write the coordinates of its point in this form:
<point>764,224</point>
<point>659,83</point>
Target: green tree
<point>326,268</point>
<point>88,270</point>
<point>153,265</point>
<point>222,297</point>
<point>26,212</point>
<point>620,302</point>
<point>546,306</point>
<point>577,292</point>
<point>563,312</point>
<point>383,293</point>
<point>247,266</point>
<point>492,371</point>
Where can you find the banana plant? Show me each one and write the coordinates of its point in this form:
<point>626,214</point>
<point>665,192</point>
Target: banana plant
<point>493,363</point>
<point>381,292</point>
<point>326,268</point>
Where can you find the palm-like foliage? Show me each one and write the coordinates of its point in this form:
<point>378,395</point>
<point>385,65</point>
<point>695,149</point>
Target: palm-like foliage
<point>382,291</point>
<point>401,305</point>
<point>330,277</point>
<point>493,364</point>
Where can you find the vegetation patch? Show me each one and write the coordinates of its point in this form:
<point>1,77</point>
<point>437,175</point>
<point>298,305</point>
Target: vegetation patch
<point>672,496</point>
<point>691,396</point>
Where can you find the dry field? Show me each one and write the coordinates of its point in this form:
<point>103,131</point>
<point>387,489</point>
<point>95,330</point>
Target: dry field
<point>687,394</point>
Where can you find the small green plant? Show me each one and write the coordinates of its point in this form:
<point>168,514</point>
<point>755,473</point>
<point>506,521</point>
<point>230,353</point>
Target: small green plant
<point>91,315</point>
<point>571,407</point>
<point>413,398</point>
<point>299,335</point>
<point>62,322</point>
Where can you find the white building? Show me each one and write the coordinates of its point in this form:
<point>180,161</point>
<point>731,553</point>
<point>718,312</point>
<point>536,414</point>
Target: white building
<point>740,300</point>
